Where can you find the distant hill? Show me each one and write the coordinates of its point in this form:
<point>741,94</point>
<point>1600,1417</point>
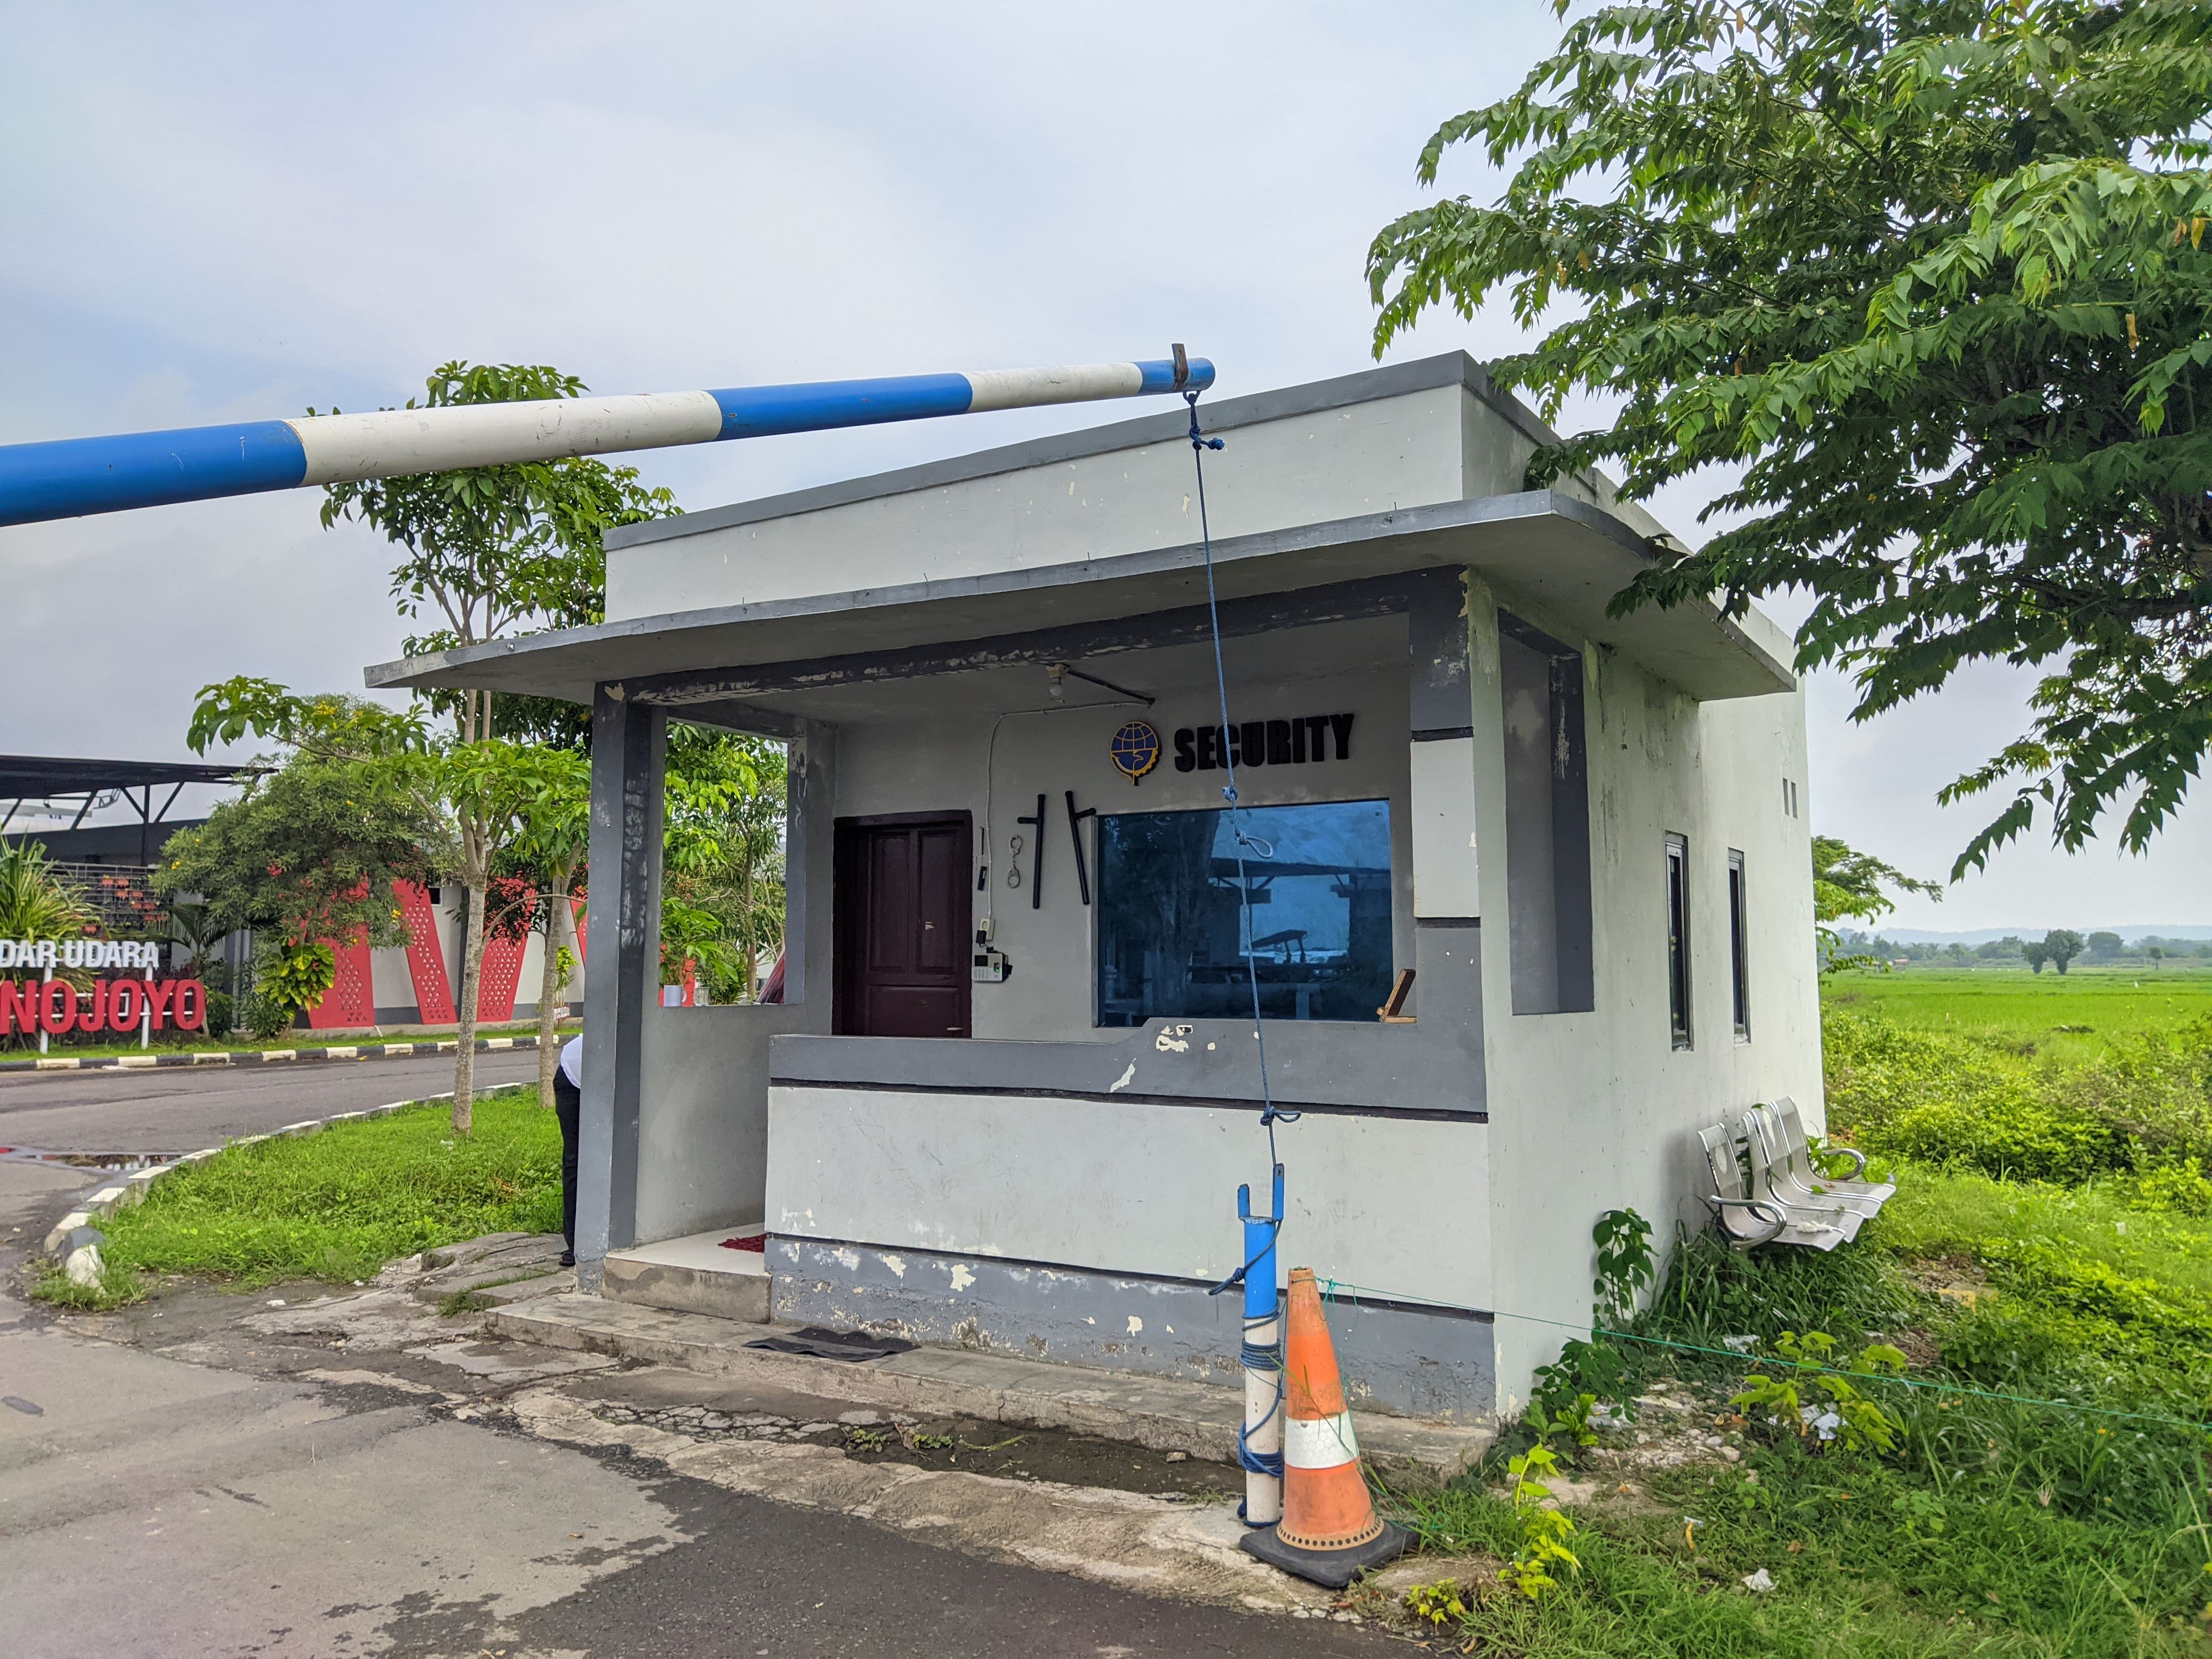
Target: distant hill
<point>1983,935</point>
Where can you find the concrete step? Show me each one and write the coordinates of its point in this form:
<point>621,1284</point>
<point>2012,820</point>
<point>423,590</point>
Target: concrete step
<point>698,1273</point>
<point>1164,1413</point>
<point>486,1263</point>
<point>722,1295</point>
<point>555,1282</point>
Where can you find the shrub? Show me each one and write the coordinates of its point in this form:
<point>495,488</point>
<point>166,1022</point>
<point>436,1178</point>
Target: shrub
<point>2145,1103</point>
<point>2007,1133</point>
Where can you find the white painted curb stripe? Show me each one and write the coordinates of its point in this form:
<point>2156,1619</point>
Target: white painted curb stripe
<point>1319,1442</point>
<point>392,442</point>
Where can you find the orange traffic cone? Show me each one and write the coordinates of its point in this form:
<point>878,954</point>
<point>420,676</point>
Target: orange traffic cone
<point>1329,1532</point>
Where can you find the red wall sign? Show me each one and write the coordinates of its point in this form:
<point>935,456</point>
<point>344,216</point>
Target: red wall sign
<point>111,1004</point>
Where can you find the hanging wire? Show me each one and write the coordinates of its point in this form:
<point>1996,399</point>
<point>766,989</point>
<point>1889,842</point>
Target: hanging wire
<point>1250,1355</point>
<point>1199,443</point>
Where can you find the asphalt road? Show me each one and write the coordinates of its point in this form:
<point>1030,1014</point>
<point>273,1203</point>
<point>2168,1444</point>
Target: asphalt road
<point>181,1108</point>
<point>237,1494</point>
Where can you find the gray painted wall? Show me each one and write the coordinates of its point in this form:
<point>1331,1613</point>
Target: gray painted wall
<point>1394,1206</point>
<point>702,1129</point>
<point>1421,1362</point>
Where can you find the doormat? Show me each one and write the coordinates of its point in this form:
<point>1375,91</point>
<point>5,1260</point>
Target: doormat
<point>757,1243</point>
<point>825,1343</point>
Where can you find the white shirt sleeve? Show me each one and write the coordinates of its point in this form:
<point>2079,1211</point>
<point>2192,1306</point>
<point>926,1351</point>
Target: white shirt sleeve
<point>572,1060</point>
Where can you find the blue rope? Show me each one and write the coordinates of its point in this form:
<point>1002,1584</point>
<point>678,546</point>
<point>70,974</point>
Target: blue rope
<point>1252,1357</point>
<point>1199,443</point>
<point>1255,1358</point>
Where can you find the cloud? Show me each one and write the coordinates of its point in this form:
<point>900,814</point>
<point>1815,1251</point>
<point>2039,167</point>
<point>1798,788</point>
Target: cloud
<point>242,211</point>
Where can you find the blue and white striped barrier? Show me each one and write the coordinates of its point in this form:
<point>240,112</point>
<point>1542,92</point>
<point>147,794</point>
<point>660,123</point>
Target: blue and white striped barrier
<point>71,476</point>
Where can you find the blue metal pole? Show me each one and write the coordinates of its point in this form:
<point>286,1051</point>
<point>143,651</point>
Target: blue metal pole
<point>1260,1447</point>
<point>69,477</point>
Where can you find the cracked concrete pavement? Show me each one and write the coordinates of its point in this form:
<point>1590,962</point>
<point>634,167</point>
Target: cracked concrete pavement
<point>351,1474</point>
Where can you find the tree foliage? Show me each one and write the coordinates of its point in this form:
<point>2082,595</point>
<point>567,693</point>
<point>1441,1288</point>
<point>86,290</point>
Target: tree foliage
<point>310,849</point>
<point>489,552</point>
<point>1932,275</point>
<point>1854,884</point>
<point>2055,948</point>
<point>493,551</point>
<point>722,901</point>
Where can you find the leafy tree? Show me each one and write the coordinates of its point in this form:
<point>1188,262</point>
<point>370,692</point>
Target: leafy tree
<point>309,851</point>
<point>1930,276</point>
<point>2036,954</point>
<point>722,881</point>
<point>2060,946</point>
<point>1853,884</point>
<point>554,842</point>
<point>2102,947</point>
<point>490,551</point>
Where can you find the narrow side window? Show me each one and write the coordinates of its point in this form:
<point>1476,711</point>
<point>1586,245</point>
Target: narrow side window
<point>1678,939</point>
<point>1739,947</point>
<point>1547,833</point>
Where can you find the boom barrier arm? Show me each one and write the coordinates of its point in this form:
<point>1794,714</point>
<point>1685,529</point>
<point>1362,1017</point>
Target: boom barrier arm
<point>69,477</point>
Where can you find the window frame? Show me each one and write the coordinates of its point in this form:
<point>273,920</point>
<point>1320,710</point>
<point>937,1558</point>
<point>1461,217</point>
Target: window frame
<point>1681,1032</point>
<point>1739,945</point>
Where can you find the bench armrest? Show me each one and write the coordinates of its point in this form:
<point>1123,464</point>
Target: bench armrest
<point>1772,1214</point>
<point>1857,1157</point>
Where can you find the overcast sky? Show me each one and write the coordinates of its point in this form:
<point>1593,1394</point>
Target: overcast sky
<point>238,212</point>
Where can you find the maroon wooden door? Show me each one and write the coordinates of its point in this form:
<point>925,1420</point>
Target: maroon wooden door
<point>903,919</point>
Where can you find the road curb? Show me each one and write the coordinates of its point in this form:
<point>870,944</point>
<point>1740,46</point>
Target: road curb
<point>264,1056</point>
<point>122,1192</point>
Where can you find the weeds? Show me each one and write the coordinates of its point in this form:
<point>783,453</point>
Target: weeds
<point>1543,1526</point>
<point>115,1287</point>
<point>1435,1605</point>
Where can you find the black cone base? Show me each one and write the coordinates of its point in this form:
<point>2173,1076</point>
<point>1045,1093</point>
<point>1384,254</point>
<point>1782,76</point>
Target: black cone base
<point>1330,1569</point>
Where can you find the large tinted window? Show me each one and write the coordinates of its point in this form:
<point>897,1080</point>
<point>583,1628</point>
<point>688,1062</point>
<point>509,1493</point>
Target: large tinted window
<point>1171,938</point>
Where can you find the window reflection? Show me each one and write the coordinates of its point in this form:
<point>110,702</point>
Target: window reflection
<point>1172,942</point>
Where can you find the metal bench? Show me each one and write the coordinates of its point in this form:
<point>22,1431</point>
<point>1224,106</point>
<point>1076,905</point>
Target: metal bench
<point>1787,1136</point>
<point>1748,1220</point>
<point>1758,1217</point>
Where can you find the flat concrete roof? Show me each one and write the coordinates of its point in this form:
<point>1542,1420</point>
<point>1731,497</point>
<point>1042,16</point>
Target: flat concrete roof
<point>1220,415</point>
<point>1566,558</point>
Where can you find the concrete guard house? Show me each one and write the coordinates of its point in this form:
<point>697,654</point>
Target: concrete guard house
<point>1583,836</point>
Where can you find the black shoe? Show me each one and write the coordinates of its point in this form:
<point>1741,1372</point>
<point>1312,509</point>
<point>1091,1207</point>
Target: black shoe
<point>567,1258</point>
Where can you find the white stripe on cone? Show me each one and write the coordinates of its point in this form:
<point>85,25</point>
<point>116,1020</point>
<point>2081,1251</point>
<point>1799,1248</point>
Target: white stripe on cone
<point>1319,1442</point>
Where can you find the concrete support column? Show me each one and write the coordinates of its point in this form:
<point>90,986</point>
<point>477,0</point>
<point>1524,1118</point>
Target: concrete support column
<point>1447,886</point>
<point>629,777</point>
<point>809,823</point>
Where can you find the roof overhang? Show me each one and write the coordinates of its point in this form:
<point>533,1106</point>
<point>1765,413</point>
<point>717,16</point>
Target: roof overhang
<point>1562,557</point>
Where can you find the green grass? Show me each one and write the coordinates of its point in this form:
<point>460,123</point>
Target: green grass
<point>339,1204</point>
<point>1995,1528</point>
<point>2045,1495</point>
<point>2014,1006</point>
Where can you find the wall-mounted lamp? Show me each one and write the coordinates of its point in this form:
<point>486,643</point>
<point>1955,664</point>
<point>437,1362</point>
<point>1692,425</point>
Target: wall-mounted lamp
<point>1056,675</point>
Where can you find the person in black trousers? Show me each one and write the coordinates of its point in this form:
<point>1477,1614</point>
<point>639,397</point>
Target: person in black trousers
<point>567,1105</point>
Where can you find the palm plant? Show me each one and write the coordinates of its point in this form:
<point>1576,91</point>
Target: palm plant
<point>34,901</point>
